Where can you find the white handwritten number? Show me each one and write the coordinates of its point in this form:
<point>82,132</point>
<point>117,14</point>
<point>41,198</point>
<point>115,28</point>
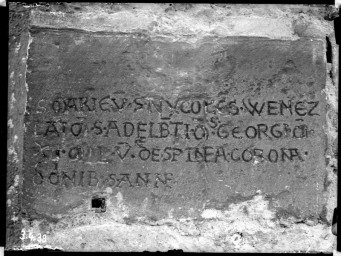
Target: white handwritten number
<point>39,238</point>
<point>31,236</point>
<point>22,237</point>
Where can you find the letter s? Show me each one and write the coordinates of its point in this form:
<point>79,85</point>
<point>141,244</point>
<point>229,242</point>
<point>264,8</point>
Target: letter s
<point>41,108</point>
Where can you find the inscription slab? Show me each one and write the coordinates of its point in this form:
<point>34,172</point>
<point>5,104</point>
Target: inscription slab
<point>173,127</point>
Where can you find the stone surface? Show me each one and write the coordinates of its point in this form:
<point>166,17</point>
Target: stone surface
<point>219,141</point>
<point>176,127</point>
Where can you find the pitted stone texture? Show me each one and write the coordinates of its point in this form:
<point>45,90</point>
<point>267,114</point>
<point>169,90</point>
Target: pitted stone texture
<point>232,230</point>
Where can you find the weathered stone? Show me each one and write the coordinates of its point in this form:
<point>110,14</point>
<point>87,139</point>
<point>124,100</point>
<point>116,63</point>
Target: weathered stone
<point>220,139</point>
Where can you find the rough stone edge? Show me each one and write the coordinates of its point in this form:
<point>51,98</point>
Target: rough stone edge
<point>232,230</point>
<point>18,57</point>
<point>331,92</point>
<point>17,95</point>
<point>192,20</point>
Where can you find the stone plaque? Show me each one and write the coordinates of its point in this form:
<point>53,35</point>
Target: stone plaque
<point>172,127</point>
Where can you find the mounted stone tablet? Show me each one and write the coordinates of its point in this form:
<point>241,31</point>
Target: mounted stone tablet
<point>152,127</point>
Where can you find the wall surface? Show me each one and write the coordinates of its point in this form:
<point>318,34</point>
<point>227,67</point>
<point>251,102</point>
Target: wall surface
<point>153,127</point>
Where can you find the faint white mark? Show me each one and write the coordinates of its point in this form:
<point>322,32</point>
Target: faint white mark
<point>119,198</point>
<point>108,190</point>
<point>145,204</point>
<point>10,190</point>
<point>170,213</point>
<point>16,180</point>
<point>41,149</point>
<point>30,39</point>
<point>256,161</point>
<point>16,183</point>
<point>11,151</point>
<point>94,163</point>
<point>79,41</point>
<point>10,123</point>
<point>236,239</point>
<point>13,100</point>
<point>17,48</point>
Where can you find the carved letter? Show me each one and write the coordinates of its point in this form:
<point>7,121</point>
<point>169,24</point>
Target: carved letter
<point>145,180</point>
<point>157,178</point>
<point>93,176</point>
<point>125,178</point>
